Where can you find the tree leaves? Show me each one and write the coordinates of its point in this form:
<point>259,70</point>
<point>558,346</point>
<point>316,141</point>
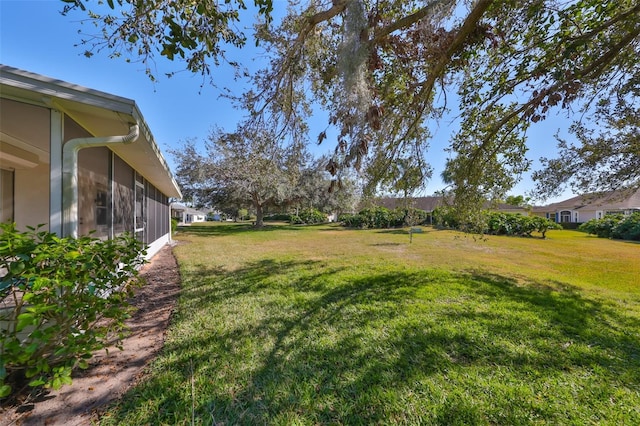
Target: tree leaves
<point>194,32</point>
<point>53,319</point>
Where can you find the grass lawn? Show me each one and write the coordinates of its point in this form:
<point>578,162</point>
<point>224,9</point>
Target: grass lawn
<point>323,325</point>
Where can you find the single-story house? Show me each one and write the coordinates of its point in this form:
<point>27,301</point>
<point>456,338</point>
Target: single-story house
<point>80,160</point>
<point>583,208</point>
<point>187,215</point>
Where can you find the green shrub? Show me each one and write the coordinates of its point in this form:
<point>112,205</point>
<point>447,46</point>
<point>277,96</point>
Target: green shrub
<point>542,225</point>
<point>351,220</point>
<point>375,218</point>
<point>62,299</point>
<point>614,226</point>
<point>174,225</point>
<point>413,216</point>
<point>499,223</point>
<point>445,217</point>
<point>496,223</point>
<point>243,214</point>
<point>628,228</point>
<point>602,228</point>
<point>309,216</point>
<point>381,218</point>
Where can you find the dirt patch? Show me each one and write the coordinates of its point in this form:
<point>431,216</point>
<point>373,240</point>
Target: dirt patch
<point>110,375</point>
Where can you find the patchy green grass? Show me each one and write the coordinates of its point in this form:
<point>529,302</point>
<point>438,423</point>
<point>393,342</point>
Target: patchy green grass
<point>322,325</point>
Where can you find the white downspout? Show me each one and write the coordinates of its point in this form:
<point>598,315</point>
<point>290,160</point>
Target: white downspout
<point>70,174</point>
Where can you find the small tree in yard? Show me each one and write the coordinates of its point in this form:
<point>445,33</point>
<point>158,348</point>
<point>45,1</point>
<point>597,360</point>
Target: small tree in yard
<point>60,300</point>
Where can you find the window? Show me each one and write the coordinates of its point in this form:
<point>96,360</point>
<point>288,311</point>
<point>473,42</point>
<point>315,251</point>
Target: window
<point>123,196</point>
<point>140,211</point>
<point>101,207</point>
<point>6,195</point>
<point>93,191</point>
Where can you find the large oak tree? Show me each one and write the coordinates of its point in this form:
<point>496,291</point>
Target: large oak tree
<point>251,166</point>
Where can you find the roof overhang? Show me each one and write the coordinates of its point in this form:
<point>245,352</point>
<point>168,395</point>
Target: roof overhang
<point>99,113</point>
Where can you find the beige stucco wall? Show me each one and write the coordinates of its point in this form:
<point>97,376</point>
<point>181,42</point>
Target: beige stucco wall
<point>25,143</point>
<point>32,196</point>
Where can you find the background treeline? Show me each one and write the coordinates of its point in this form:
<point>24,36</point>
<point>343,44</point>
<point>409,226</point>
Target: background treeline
<point>494,223</point>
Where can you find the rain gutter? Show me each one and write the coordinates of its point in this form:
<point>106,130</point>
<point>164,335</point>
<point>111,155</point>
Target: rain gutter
<point>70,174</point>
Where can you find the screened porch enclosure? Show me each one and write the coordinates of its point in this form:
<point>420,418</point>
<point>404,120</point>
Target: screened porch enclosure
<point>114,199</point>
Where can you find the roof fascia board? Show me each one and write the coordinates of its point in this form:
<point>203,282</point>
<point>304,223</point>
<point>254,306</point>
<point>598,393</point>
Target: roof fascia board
<point>49,87</point>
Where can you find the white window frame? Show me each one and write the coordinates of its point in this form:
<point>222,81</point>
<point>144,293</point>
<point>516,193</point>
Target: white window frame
<point>136,226</point>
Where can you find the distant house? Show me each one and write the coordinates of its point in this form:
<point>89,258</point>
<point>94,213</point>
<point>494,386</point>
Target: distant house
<point>427,204</point>
<point>79,160</point>
<point>583,208</point>
<point>186,215</point>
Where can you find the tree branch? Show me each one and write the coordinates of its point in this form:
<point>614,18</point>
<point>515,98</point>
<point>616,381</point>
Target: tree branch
<point>591,71</point>
<point>407,21</point>
<point>468,26</point>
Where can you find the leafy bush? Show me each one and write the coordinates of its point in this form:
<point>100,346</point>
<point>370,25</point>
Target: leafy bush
<point>376,217</point>
<point>413,216</point>
<point>280,217</point>
<point>61,299</point>
<point>496,223</point>
<point>628,229</point>
<point>309,216</point>
<point>243,214</point>
<point>382,218</point>
<point>350,220</point>
<point>174,225</point>
<point>446,217</point>
<point>614,226</point>
<point>542,225</point>
<point>499,223</point>
<point>373,218</point>
<point>602,227</point>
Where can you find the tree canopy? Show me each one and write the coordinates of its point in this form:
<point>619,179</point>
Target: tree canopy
<point>248,167</point>
<point>253,168</point>
<point>387,70</point>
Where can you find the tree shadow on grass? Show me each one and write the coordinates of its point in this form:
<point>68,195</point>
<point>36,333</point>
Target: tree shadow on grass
<point>300,342</point>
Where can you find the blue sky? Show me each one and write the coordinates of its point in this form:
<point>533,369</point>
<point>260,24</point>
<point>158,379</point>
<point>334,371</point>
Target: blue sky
<point>36,38</point>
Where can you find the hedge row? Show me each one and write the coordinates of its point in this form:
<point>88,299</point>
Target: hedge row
<point>308,216</point>
<point>614,226</point>
<point>495,223</point>
<point>382,217</point>
<point>515,224</point>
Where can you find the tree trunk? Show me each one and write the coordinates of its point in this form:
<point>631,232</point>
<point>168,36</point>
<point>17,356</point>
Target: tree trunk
<point>259,215</point>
